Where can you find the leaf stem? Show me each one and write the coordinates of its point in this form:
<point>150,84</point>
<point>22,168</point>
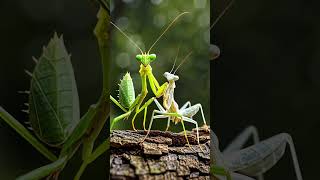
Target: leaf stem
<point>17,126</point>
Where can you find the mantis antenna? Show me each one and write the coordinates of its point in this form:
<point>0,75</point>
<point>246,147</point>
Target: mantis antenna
<point>168,27</point>
<point>184,59</point>
<point>222,13</point>
<point>127,36</point>
<point>175,59</point>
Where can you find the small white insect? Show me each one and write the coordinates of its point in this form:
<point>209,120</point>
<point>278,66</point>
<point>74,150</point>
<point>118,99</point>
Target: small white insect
<point>170,108</point>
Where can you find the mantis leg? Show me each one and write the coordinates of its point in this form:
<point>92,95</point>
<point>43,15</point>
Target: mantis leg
<point>197,127</point>
<point>195,108</point>
<point>116,119</point>
<point>204,120</point>
<point>162,110</point>
<point>144,118</point>
<point>124,109</point>
<point>139,109</point>
<point>185,133</point>
<point>140,99</point>
<point>118,104</point>
<point>168,124</point>
<point>186,105</point>
<point>159,106</point>
<point>151,121</point>
<point>20,129</point>
<point>155,87</point>
<point>45,171</point>
<point>193,122</point>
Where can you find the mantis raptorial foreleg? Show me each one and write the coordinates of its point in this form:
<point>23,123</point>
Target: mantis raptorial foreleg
<point>155,87</point>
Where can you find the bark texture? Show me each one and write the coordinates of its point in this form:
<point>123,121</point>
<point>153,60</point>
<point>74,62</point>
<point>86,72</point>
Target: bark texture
<point>162,155</point>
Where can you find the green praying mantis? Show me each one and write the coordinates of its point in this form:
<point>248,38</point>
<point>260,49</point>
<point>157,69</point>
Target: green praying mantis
<point>54,112</point>
<point>127,100</point>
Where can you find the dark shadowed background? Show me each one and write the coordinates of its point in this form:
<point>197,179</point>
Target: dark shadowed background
<point>25,27</point>
<point>268,75</point>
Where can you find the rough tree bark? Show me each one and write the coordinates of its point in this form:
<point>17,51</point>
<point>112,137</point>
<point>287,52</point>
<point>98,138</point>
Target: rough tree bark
<point>163,155</point>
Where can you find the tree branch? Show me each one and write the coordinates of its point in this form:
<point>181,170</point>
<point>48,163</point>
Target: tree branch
<point>163,155</point>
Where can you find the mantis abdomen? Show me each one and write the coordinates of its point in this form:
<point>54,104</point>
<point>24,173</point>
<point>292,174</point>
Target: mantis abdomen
<point>126,91</point>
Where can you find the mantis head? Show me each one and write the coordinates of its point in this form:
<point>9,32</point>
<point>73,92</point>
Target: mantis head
<point>146,59</point>
<point>170,77</point>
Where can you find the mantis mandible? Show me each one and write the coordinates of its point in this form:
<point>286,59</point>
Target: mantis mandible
<point>145,58</point>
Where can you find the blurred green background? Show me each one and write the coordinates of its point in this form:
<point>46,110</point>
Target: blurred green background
<point>144,21</point>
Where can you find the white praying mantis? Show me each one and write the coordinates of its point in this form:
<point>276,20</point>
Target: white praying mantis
<point>170,108</point>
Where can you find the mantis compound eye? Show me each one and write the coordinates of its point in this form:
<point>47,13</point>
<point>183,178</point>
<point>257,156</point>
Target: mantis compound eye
<point>152,57</point>
<point>139,57</point>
